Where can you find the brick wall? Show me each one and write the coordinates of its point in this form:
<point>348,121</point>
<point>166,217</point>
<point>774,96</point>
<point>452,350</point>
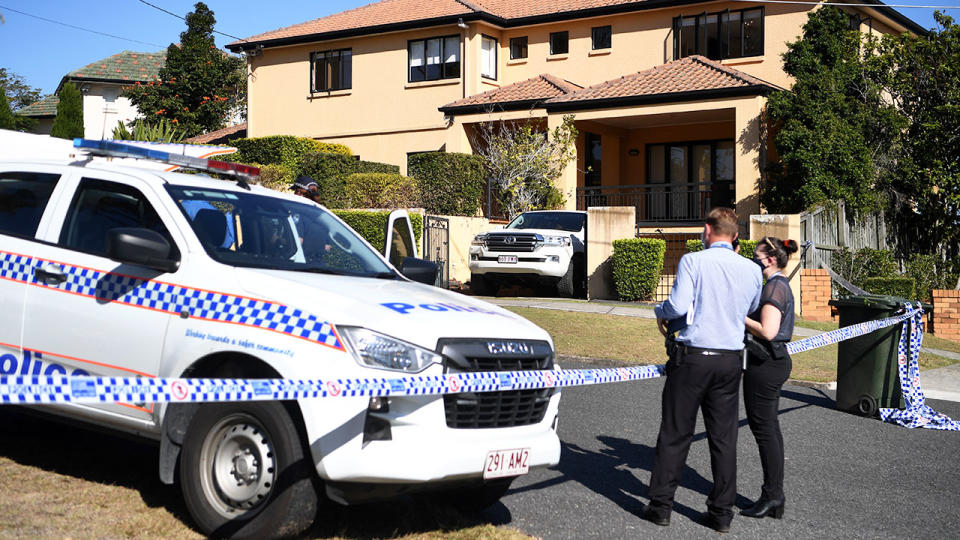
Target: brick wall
<point>946,314</point>
<point>815,294</point>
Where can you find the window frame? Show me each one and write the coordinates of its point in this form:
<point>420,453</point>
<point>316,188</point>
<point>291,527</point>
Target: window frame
<point>443,40</point>
<point>517,41</point>
<point>723,33</point>
<point>689,145</point>
<point>593,37</point>
<point>496,57</point>
<point>566,42</point>
<point>326,61</point>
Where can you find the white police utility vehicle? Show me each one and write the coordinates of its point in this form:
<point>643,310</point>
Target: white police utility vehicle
<point>115,270</point>
<point>538,248</point>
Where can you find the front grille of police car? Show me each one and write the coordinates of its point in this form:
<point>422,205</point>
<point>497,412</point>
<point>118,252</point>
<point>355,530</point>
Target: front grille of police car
<point>511,242</point>
<point>496,409</point>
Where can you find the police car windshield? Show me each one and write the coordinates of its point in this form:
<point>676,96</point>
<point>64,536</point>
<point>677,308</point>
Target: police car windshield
<point>562,221</point>
<point>257,231</point>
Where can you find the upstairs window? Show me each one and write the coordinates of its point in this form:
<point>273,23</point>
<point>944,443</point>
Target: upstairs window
<point>433,59</point>
<point>727,34</point>
<point>488,57</point>
<point>332,70</point>
<point>600,37</point>
<point>518,47</point>
<point>559,42</point>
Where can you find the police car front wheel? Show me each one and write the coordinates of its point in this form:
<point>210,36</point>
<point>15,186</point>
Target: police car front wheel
<point>244,472</point>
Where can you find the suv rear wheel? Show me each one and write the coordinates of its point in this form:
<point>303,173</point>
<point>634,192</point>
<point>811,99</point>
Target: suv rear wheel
<point>244,472</point>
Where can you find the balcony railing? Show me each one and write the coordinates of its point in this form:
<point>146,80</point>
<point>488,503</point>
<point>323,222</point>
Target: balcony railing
<point>660,203</point>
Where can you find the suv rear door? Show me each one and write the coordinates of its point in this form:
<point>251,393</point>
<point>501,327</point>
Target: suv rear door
<point>88,314</point>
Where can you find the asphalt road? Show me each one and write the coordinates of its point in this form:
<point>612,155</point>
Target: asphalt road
<point>846,476</point>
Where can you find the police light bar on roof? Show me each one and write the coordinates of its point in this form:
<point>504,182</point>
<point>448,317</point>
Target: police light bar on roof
<point>120,150</point>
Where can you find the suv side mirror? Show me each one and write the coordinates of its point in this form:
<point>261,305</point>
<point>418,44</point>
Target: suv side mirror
<point>420,270</point>
<point>141,247</point>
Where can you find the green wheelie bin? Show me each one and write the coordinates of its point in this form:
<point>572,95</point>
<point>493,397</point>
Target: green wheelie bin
<point>867,376</point>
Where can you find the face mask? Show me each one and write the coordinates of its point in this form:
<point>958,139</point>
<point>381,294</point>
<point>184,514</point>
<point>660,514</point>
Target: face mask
<point>759,262</point>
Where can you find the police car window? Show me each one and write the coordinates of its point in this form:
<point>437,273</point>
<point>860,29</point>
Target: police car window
<point>99,206</point>
<point>401,243</point>
<point>23,198</point>
<point>258,231</point>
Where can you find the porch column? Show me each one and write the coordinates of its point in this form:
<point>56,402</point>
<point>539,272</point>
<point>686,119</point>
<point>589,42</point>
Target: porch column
<point>749,158</point>
<point>567,181</point>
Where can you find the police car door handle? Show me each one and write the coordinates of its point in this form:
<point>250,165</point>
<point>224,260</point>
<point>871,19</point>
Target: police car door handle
<point>49,275</point>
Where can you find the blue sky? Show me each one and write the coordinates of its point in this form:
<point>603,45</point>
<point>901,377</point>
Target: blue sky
<point>42,52</point>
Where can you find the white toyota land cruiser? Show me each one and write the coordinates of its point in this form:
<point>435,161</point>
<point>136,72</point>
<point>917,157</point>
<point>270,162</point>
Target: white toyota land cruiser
<point>122,271</point>
<point>538,248</point>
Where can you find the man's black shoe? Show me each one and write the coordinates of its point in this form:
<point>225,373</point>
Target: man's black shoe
<point>652,516</point>
<point>709,520</point>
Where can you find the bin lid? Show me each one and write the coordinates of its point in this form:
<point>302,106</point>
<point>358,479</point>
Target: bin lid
<point>877,301</point>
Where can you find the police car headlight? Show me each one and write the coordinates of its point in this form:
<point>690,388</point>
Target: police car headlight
<point>479,240</point>
<point>375,350</point>
<point>550,240</point>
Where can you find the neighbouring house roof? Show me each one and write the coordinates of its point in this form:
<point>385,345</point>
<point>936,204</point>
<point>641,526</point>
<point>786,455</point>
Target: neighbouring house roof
<point>45,108</point>
<point>690,78</point>
<point>520,95</point>
<point>391,15</point>
<point>127,66</point>
<point>220,136</point>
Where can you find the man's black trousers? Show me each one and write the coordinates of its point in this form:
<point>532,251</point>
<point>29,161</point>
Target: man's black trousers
<point>710,383</point>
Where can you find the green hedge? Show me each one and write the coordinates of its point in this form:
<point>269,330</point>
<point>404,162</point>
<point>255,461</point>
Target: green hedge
<point>278,177</point>
<point>637,265</point>
<point>282,150</point>
<point>381,190</point>
<point>450,184</point>
<point>372,225</point>
<point>747,247</point>
<point>930,273</point>
<point>331,170</point>
<point>903,287</point>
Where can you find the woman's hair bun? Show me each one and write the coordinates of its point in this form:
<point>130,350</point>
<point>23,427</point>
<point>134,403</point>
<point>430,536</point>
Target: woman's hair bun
<point>790,246</point>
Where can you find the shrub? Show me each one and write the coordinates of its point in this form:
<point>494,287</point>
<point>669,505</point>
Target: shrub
<point>278,177</point>
<point>381,190</point>
<point>929,275</point>
<point>903,287</point>
<point>747,247</point>
<point>282,150</point>
<point>637,265</point>
<point>865,263</point>
<point>372,225</point>
<point>68,124</point>
<point>450,184</point>
<point>331,170</point>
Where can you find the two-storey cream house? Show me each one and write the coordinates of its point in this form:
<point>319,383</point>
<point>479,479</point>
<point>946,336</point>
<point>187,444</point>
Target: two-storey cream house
<point>668,95</point>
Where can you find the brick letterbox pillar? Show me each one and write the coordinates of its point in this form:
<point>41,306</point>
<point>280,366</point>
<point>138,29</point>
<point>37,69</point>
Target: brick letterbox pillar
<point>815,294</point>
<point>946,314</point>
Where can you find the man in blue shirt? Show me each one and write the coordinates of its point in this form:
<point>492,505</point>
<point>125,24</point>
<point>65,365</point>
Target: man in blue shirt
<point>713,292</point>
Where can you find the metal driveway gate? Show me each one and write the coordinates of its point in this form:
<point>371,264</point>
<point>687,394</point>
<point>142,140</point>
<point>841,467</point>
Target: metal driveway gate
<point>676,248</point>
<point>436,246</point>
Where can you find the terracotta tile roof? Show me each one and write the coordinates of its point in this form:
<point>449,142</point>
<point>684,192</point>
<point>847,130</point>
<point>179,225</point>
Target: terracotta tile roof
<point>690,74</point>
<point>528,92</point>
<point>387,12</point>
<point>125,66</point>
<point>45,107</point>
<point>220,136</point>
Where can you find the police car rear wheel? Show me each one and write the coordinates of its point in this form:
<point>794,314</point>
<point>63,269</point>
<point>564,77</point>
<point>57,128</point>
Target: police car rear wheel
<point>244,473</point>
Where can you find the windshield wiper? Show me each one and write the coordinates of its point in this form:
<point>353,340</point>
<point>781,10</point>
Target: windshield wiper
<point>321,270</point>
<point>382,275</point>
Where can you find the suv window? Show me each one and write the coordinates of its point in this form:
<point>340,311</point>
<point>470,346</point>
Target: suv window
<point>563,221</point>
<point>23,198</point>
<point>99,206</point>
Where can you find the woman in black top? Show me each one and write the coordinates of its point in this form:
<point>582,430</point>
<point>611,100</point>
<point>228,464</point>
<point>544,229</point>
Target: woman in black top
<point>772,324</point>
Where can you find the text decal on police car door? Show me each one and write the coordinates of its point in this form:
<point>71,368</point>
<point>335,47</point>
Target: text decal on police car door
<point>503,463</point>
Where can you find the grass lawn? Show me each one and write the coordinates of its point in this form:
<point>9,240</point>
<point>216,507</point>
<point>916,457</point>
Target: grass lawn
<point>632,340</point>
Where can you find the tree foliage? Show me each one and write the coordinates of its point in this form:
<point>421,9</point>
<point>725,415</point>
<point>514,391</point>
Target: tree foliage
<point>68,123</point>
<point>19,95</point>
<point>6,117</point>
<point>523,161</point>
<point>200,87</point>
<point>835,133</point>
<point>922,76</point>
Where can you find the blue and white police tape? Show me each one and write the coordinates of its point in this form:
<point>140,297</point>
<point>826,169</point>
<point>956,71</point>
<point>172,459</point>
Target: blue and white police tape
<point>35,389</point>
<point>848,332</point>
<point>917,413</point>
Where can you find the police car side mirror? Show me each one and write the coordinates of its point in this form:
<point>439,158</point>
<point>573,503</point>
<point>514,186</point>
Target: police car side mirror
<point>420,270</point>
<point>141,247</point>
